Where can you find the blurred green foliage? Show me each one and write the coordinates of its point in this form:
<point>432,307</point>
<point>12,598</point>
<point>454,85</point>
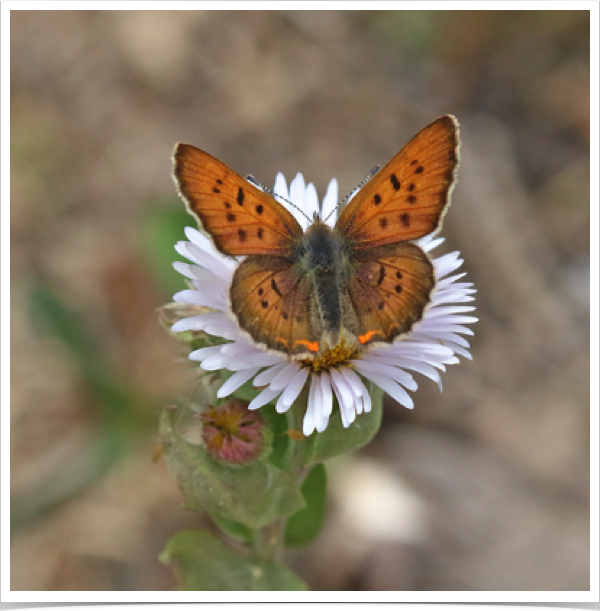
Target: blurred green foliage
<point>161,227</point>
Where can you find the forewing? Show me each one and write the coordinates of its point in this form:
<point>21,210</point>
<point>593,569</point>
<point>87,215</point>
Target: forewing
<point>407,199</point>
<point>388,291</point>
<point>241,219</point>
<point>273,305</point>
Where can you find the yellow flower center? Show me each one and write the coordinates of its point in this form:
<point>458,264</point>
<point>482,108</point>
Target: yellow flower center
<point>331,357</point>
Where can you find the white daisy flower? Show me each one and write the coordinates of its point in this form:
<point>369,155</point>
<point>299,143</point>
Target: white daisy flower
<point>433,343</point>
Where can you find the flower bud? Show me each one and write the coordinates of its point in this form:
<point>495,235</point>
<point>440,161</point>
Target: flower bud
<point>232,433</point>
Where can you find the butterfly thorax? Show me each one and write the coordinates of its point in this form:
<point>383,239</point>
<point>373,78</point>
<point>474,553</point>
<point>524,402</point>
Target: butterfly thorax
<point>320,249</point>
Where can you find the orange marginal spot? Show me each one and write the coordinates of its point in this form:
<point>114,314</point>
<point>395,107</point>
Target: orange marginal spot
<point>312,346</point>
<point>280,339</point>
<point>363,339</point>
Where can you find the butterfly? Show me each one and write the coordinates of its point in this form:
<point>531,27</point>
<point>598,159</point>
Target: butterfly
<point>364,280</point>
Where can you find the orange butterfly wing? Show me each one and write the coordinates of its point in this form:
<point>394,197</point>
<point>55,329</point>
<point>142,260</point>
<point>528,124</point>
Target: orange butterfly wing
<point>392,279</point>
<point>387,292</point>
<point>241,219</point>
<point>407,199</point>
<point>273,303</point>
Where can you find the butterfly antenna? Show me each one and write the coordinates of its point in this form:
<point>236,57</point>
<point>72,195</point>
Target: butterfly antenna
<point>364,181</point>
<point>255,182</point>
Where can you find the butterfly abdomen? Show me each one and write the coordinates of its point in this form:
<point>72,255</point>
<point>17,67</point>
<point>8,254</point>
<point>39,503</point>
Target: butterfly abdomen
<point>322,259</point>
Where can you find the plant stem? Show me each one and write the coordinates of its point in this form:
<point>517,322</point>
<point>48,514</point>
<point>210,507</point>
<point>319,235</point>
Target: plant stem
<point>267,543</point>
<point>297,447</point>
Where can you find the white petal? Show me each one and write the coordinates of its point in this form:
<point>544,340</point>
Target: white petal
<point>280,187</point>
<point>202,353</point>
<point>297,192</point>
<point>294,388</point>
<point>358,388</point>
<point>197,322</point>
<point>311,202</point>
<point>359,405</point>
<point>280,406</point>
<point>323,401</point>
<point>442,284</point>
<point>265,377</point>
<point>202,251</point>
<point>266,396</point>
<point>367,402</point>
<point>308,425</point>
<point>223,327</point>
<point>372,364</point>
<point>448,310</point>
<point>447,264</point>
<point>235,381</point>
<point>281,380</point>
<point>201,276</point>
<point>459,350</point>
<point>451,338</point>
<point>256,359</point>
<point>453,319</point>
<point>209,299</point>
<point>345,398</point>
<point>326,396</point>
<point>429,243</point>
<point>343,390</point>
<point>443,327</point>
<point>212,363</point>
<point>186,269</point>
<point>415,364</point>
<point>330,202</point>
<point>240,349</point>
<point>392,388</point>
<point>344,417</point>
<point>451,295</point>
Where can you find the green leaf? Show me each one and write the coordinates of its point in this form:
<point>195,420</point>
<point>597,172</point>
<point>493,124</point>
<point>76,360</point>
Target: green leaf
<point>233,529</point>
<point>305,525</point>
<point>202,562</point>
<point>336,440</point>
<point>254,495</point>
<point>278,424</point>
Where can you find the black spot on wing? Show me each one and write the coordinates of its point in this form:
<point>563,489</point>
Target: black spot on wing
<point>275,287</point>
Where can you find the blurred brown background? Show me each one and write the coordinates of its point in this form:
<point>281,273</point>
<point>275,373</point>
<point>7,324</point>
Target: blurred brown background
<point>483,487</point>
